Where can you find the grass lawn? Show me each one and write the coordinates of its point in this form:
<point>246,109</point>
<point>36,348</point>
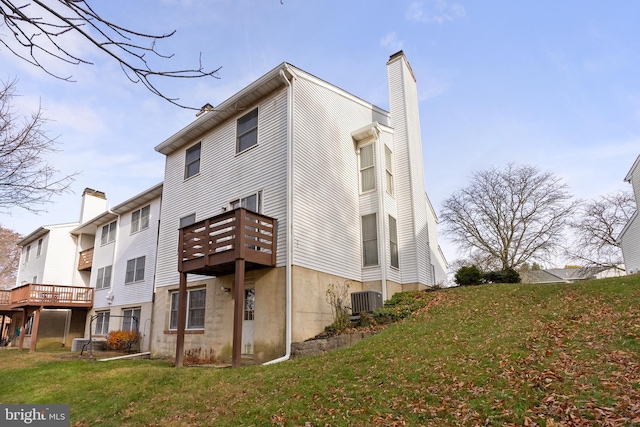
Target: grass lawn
<point>492,355</point>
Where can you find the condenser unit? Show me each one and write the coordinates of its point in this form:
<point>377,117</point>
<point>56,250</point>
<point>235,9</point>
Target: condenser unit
<point>366,301</point>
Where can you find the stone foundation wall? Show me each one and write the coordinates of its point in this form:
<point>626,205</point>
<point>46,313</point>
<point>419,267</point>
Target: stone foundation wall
<point>319,346</point>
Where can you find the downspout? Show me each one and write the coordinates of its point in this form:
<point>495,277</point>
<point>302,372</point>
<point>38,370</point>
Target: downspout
<point>289,219</point>
<point>381,227</point>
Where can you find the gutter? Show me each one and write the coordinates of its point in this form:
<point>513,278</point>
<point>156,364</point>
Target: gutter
<point>289,232</point>
<point>381,227</point>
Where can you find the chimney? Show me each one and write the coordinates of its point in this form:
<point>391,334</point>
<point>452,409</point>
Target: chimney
<point>93,204</point>
<point>410,188</point>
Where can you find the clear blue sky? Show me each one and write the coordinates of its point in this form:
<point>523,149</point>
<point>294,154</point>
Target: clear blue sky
<point>547,83</point>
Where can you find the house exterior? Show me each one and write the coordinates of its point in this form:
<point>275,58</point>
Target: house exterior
<point>289,186</point>
<point>341,178</point>
<point>568,275</point>
<point>629,238</point>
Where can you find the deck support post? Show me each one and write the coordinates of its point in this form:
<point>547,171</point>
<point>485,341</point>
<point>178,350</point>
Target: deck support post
<point>238,310</point>
<point>34,329</point>
<point>182,319</point>
<point>2,328</point>
<point>25,315</point>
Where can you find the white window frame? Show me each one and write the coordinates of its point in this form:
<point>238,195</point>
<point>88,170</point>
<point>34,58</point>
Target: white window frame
<point>140,219</point>
<point>39,251</point>
<point>103,278</point>
<point>388,165</point>
<point>127,318</point>
<point>34,280</point>
<point>173,309</point>
<point>100,322</point>
<point>108,233</point>
<point>27,253</point>
<point>248,131</point>
<point>135,272</point>
<point>366,168</point>
<point>195,161</point>
<point>393,240</point>
<point>188,220</point>
<point>242,202</point>
<point>366,238</point>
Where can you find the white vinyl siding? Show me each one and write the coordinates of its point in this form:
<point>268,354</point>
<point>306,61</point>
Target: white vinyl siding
<point>367,168</point>
<point>103,280</point>
<point>225,177</point>
<point>369,240</point>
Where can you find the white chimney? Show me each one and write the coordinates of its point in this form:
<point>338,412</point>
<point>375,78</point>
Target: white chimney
<point>93,204</point>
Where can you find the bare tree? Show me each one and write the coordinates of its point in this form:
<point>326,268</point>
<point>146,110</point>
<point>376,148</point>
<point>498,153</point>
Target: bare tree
<point>509,216</point>
<point>37,30</point>
<point>27,180</point>
<point>9,257</point>
<point>597,227</point>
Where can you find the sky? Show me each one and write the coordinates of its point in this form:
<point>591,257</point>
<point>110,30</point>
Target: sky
<point>549,84</point>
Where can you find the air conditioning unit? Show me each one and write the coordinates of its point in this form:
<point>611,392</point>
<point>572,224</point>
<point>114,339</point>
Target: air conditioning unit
<point>365,301</point>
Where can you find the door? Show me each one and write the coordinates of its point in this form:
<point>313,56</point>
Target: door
<point>248,321</point>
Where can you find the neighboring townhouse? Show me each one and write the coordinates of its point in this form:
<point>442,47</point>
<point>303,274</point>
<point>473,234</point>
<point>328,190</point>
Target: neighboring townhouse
<point>439,264</point>
<point>120,249</point>
<point>629,238</point>
<point>50,292</point>
<point>290,185</point>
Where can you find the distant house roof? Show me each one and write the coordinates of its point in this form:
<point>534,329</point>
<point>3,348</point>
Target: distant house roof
<point>630,173</point>
<point>560,275</point>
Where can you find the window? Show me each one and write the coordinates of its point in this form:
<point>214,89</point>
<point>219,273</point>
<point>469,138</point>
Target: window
<point>27,254</point>
<point>108,233</point>
<point>39,251</point>
<point>135,270</point>
<point>102,323</point>
<point>393,241</point>
<point>249,304</point>
<point>140,219</point>
<point>251,203</point>
<point>192,161</point>
<point>247,134</point>
<point>369,240</point>
<point>103,280</point>
<point>388,164</point>
<point>367,171</point>
<point>196,301</point>
<point>187,220</point>
<point>131,319</point>
<point>35,279</point>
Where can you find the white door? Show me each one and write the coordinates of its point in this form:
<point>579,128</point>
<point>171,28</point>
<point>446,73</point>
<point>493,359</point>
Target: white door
<point>248,322</point>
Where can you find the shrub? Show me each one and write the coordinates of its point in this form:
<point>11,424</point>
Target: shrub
<point>468,276</point>
<point>401,305</point>
<point>121,340</point>
<point>336,296</point>
<point>508,275</point>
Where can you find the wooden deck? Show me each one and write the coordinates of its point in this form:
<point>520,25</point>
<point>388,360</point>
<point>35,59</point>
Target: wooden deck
<point>46,296</point>
<point>211,247</point>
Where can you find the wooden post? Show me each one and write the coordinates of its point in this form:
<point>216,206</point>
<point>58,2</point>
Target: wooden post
<point>238,310</point>
<point>25,315</point>
<point>182,319</point>
<point>34,329</point>
<point>2,328</point>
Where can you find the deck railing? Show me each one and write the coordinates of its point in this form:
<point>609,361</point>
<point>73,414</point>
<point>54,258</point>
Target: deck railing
<point>5,297</point>
<point>224,238</point>
<point>51,296</point>
<point>85,260</point>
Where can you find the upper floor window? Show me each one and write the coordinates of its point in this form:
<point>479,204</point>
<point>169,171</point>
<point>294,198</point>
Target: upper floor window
<point>247,133</point>
<point>103,279</point>
<point>192,161</point>
<point>39,251</point>
<point>251,203</point>
<point>388,164</point>
<point>369,240</point>
<point>140,219</point>
<point>367,171</point>
<point>135,270</point>
<point>27,254</point>
<point>187,220</point>
<point>108,233</point>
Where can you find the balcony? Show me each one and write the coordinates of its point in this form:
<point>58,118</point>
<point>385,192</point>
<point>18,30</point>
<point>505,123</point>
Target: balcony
<point>85,260</point>
<point>47,296</point>
<point>211,247</point>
